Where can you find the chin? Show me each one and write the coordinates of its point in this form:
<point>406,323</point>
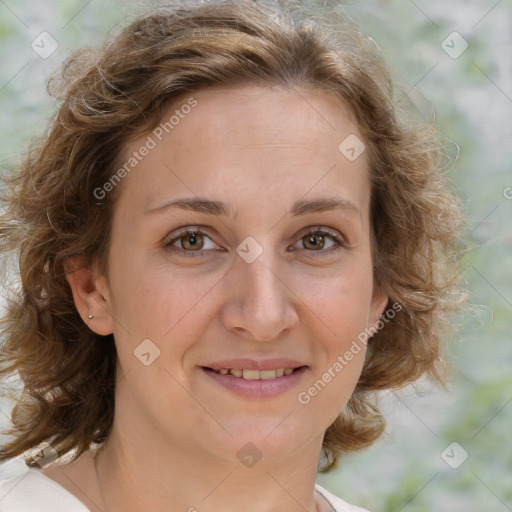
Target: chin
<point>271,438</point>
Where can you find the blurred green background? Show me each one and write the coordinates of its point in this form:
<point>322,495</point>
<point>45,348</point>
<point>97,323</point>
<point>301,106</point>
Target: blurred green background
<point>471,96</point>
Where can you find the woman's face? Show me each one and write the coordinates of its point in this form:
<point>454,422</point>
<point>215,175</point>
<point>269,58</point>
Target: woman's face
<point>249,172</point>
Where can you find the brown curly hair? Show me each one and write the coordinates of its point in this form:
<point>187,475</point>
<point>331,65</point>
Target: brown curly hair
<point>108,96</point>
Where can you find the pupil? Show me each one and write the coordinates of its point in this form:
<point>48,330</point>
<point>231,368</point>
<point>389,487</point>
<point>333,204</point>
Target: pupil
<point>192,241</point>
<point>316,240</point>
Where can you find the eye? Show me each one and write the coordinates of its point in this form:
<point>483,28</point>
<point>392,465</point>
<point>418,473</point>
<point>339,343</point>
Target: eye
<point>193,240</point>
<point>318,239</point>
<point>190,240</point>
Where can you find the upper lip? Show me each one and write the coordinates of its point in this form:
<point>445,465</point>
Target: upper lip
<point>253,364</point>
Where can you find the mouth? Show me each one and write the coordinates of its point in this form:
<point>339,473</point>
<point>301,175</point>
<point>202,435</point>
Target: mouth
<point>252,374</point>
<point>244,378</point>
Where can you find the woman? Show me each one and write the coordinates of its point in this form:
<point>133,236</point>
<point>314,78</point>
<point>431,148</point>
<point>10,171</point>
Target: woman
<point>227,242</point>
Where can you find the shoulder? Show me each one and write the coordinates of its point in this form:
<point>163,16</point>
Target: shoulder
<point>23,489</point>
<point>337,503</point>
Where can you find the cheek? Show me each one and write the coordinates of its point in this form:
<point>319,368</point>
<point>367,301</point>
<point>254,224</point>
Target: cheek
<point>163,305</point>
<point>166,308</point>
<point>338,308</point>
<point>340,300</point>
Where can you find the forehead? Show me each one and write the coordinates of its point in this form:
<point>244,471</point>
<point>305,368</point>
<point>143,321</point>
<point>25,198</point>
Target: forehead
<point>243,141</point>
<point>272,117</point>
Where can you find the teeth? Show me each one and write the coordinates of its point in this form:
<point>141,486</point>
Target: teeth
<point>251,374</point>
<point>256,374</point>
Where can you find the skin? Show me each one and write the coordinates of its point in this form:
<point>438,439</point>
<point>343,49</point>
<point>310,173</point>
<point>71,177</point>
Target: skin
<point>176,433</point>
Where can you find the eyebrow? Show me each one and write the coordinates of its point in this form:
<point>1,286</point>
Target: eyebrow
<point>300,207</point>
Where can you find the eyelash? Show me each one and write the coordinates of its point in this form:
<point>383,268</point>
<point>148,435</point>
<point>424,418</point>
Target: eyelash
<point>319,230</point>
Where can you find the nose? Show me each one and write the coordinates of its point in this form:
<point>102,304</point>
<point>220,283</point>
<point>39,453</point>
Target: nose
<point>259,302</point>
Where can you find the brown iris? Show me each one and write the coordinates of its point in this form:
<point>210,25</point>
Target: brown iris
<point>195,241</point>
<point>316,240</point>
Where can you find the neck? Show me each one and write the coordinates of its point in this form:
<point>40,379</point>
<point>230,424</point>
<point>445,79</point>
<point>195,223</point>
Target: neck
<point>138,477</point>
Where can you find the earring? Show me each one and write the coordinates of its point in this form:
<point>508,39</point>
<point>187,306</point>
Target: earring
<point>91,317</point>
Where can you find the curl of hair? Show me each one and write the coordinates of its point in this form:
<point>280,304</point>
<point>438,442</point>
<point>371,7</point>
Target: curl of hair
<point>51,213</point>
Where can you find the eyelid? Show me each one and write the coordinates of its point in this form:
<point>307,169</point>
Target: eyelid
<point>334,233</point>
<point>187,230</point>
<point>337,236</point>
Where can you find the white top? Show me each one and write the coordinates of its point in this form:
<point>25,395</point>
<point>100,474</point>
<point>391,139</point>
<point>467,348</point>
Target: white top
<point>24,489</point>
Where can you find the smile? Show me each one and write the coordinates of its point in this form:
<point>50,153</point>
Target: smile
<point>252,383</point>
<point>250,374</point>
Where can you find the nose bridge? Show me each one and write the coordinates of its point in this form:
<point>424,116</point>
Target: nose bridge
<point>261,303</point>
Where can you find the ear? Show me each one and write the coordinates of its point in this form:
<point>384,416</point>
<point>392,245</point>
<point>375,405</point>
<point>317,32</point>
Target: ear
<point>379,302</point>
<point>90,293</point>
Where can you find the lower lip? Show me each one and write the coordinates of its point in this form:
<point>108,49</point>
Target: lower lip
<point>257,388</point>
